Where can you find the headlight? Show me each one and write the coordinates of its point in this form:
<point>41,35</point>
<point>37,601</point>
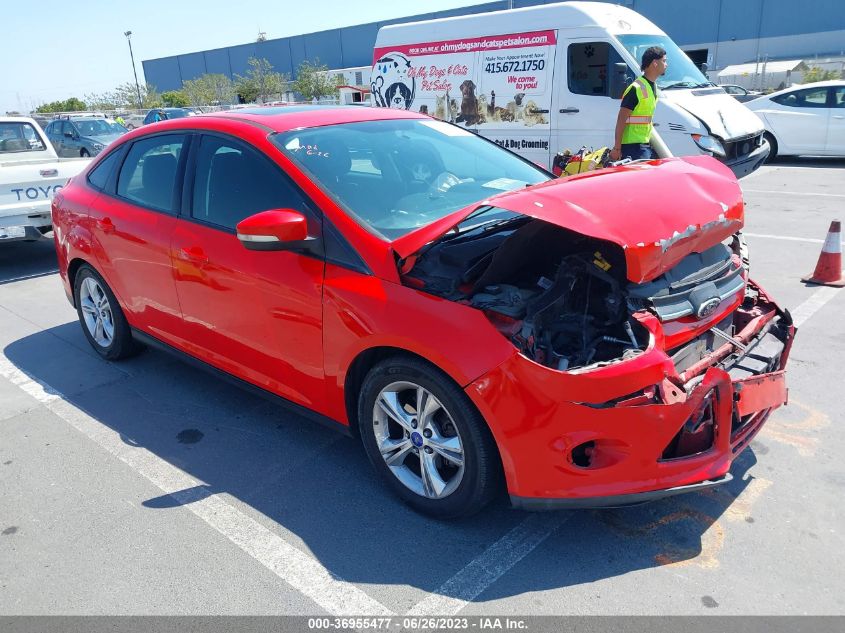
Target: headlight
<point>97,146</point>
<point>709,144</point>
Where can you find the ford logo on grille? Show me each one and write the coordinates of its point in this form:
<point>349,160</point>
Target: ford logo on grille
<point>706,308</point>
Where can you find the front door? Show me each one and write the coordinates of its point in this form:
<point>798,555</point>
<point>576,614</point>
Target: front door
<point>800,119</point>
<point>255,314</point>
<point>586,111</point>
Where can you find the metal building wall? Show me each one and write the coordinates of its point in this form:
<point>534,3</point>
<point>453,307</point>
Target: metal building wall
<point>733,31</point>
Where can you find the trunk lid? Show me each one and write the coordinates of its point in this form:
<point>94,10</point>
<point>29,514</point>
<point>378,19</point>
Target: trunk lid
<point>657,212</point>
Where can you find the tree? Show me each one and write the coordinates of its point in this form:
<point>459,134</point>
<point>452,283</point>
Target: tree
<point>102,101</point>
<point>314,81</point>
<point>209,89</point>
<point>68,105</point>
<point>124,96</point>
<point>175,99</point>
<point>815,74</point>
<point>260,82</point>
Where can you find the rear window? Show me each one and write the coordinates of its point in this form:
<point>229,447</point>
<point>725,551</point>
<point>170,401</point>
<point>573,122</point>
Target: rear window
<point>19,137</point>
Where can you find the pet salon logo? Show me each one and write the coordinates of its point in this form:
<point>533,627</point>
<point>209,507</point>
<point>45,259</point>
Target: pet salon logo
<point>393,84</point>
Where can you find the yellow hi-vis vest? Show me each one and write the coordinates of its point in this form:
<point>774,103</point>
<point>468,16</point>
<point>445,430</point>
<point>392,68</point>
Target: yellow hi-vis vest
<point>639,125</point>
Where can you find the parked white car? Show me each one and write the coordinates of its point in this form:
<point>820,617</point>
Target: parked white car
<point>804,119</point>
<point>30,174</point>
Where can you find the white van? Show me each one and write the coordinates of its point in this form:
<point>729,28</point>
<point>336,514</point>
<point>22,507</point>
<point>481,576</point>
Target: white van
<point>541,79</point>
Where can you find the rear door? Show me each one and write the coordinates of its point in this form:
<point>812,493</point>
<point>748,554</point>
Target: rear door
<point>132,225</point>
<point>586,111</point>
<point>255,314</point>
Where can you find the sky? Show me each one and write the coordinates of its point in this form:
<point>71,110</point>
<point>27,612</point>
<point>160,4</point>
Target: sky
<point>53,50</point>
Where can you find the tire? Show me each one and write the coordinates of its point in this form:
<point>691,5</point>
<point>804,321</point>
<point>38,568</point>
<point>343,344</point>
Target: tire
<point>100,316</point>
<point>84,153</point>
<point>450,442</point>
<point>773,145</point>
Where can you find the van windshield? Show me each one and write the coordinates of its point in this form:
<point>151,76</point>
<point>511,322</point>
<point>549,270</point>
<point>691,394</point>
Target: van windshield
<point>681,72</point>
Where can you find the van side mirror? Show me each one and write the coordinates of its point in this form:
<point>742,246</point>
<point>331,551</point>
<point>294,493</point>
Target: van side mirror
<point>703,67</point>
<point>274,230</point>
<point>619,79</point>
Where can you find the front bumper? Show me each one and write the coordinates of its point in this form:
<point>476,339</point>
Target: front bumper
<point>632,431</point>
<point>743,165</point>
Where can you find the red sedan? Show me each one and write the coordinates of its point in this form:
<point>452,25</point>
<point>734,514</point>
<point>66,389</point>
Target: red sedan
<point>593,341</point>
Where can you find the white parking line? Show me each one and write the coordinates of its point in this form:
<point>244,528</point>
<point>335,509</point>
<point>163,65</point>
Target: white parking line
<point>813,304</point>
<point>795,193</point>
<point>810,240</point>
<point>299,570</point>
<point>33,276</point>
<point>492,564</point>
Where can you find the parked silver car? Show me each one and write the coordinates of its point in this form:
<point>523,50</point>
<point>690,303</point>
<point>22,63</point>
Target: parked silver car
<point>739,93</point>
<point>82,136</point>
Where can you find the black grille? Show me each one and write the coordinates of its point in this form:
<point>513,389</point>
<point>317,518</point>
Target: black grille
<point>741,147</point>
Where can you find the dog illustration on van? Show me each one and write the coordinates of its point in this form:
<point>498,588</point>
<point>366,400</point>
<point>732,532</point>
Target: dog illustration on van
<point>392,85</point>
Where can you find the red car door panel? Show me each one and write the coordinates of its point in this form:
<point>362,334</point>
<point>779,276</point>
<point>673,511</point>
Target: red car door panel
<point>255,314</point>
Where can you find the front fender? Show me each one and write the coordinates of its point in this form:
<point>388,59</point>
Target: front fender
<point>363,312</point>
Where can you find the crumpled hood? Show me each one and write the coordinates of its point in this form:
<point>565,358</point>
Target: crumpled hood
<point>657,212</point>
<point>723,115</point>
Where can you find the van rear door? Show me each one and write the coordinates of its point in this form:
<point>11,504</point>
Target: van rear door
<point>585,110</point>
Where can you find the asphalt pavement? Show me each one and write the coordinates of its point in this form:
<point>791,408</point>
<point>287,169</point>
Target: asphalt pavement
<point>149,487</point>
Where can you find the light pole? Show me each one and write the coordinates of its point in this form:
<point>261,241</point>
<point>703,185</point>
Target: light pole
<point>128,35</point>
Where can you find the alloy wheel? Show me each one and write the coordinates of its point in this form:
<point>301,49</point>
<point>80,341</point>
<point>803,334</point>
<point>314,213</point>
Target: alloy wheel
<point>96,312</point>
<point>418,440</point>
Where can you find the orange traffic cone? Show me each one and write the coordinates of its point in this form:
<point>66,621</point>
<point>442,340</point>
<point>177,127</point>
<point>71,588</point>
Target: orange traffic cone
<point>828,270</point>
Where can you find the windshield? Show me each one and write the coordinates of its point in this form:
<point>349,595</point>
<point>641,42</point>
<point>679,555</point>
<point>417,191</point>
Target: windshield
<point>117,128</point>
<point>395,176</point>
<point>19,137</point>
<point>680,73</point>
<point>177,114</point>
<point>93,127</point>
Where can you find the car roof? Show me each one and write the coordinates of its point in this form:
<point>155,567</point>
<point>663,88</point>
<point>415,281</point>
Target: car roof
<point>815,84</point>
<point>284,118</point>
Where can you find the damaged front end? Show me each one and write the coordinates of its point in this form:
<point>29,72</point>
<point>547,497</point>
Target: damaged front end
<point>645,361</point>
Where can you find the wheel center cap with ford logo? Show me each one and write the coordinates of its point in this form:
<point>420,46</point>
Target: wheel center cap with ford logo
<point>417,439</point>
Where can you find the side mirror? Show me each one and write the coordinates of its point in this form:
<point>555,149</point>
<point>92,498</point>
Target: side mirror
<point>704,68</point>
<point>274,230</point>
<point>619,79</point>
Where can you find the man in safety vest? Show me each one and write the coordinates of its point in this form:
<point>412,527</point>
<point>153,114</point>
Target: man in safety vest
<point>634,122</point>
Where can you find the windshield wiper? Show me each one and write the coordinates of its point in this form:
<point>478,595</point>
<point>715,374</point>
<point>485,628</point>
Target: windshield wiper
<point>455,232</point>
<point>680,84</point>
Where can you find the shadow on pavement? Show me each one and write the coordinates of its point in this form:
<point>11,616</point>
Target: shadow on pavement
<point>318,484</point>
<point>827,162</point>
<point>25,260</point>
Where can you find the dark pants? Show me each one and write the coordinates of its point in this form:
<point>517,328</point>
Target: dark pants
<point>638,151</point>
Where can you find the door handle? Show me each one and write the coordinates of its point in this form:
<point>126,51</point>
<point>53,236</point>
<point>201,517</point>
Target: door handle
<point>838,116</point>
<point>568,110</point>
<point>193,254</point>
<point>106,225</point>
<point>538,111</point>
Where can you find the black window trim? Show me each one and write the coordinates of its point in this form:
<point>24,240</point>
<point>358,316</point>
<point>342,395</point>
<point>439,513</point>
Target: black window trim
<point>111,180</point>
<point>828,100</point>
<point>111,187</point>
<point>356,262</point>
<point>190,178</point>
